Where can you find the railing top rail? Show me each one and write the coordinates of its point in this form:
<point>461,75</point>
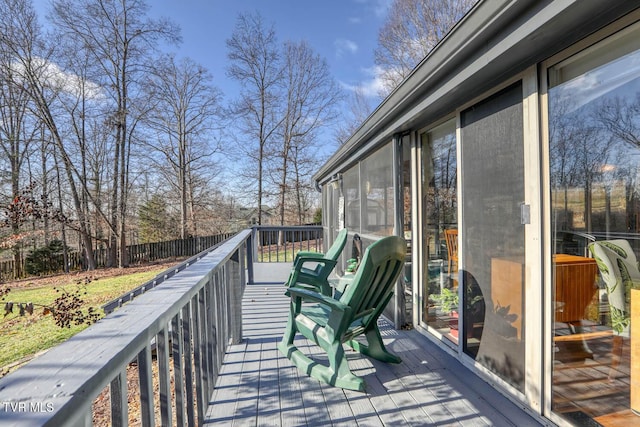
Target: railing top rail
<point>288,227</point>
<point>152,283</point>
<point>74,372</point>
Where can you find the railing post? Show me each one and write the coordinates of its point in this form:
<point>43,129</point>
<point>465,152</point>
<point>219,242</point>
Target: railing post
<point>119,405</point>
<point>145,378</point>
<point>177,349</point>
<point>198,354</point>
<point>163,351</point>
<point>235,289</point>
<point>252,253</point>
<point>188,367</point>
<point>242,258</point>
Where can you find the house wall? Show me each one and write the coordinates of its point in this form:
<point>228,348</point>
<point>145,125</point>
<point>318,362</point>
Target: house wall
<point>521,132</point>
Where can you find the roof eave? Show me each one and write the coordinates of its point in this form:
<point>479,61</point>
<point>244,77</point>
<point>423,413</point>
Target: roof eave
<point>494,40</point>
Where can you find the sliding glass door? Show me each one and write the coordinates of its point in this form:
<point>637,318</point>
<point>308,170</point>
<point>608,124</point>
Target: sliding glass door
<point>594,160</point>
<point>440,230</point>
<point>493,234</point>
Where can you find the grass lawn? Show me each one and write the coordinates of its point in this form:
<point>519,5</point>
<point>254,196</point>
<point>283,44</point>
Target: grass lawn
<point>282,255</point>
<point>22,336</point>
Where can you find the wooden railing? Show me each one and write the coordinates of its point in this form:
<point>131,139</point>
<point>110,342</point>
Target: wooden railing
<point>188,323</point>
<point>279,244</point>
<point>160,278</point>
<point>273,244</point>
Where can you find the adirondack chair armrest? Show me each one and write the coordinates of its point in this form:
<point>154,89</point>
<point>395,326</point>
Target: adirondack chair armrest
<point>316,258</point>
<point>315,277</point>
<point>302,254</point>
<point>308,295</point>
<point>322,267</point>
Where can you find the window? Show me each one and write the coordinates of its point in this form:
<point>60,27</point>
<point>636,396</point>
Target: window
<point>377,189</point>
<point>351,192</point>
<point>594,154</point>
<point>440,210</point>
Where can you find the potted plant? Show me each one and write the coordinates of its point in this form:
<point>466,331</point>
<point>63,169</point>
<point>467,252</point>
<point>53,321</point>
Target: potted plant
<point>449,302</point>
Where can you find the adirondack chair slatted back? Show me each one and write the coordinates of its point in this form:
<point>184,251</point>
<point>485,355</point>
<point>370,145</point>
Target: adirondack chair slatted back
<point>375,279</point>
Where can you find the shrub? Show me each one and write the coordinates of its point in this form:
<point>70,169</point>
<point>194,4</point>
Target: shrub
<point>45,259</point>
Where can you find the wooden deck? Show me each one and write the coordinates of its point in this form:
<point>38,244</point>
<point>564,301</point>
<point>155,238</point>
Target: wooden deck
<point>260,387</point>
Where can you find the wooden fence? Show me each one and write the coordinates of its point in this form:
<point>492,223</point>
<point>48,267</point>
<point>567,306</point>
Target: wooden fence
<point>138,254</point>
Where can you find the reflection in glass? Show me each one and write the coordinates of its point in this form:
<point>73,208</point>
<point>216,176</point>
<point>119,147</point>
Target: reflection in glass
<point>594,134</point>
<point>440,208</point>
<point>377,203</point>
<point>351,191</point>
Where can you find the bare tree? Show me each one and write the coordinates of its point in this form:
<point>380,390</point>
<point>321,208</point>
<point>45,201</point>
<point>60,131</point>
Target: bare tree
<point>119,38</point>
<point>619,116</point>
<point>185,116</point>
<point>43,82</point>
<point>16,135</point>
<point>578,149</point>
<point>255,63</point>
<point>303,195</point>
<point>357,110</point>
<point>311,96</point>
<point>81,108</point>
<point>411,30</point>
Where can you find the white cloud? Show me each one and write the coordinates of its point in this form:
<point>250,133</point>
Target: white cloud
<point>345,46</point>
<point>601,81</point>
<point>371,86</point>
<point>60,80</point>
<point>380,7</point>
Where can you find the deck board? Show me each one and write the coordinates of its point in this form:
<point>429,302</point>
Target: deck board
<point>227,384</point>
<point>248,390</point>
<point>409,378</point>
<point>315,407</point>
<point>259,386</point>
<point>269,392</point>
<point>290,394</point>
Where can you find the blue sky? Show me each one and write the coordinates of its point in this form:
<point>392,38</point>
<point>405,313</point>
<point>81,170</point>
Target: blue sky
<point>344,32</point>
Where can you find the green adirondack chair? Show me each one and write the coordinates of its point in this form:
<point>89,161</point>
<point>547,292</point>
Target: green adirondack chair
<point>331,322</point>
<point>315,277</point>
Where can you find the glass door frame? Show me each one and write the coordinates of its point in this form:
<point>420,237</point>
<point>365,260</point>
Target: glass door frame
<point>547,361</point>
<point>534,385</point>
<point>533,289</point>
<point>420,264</point>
